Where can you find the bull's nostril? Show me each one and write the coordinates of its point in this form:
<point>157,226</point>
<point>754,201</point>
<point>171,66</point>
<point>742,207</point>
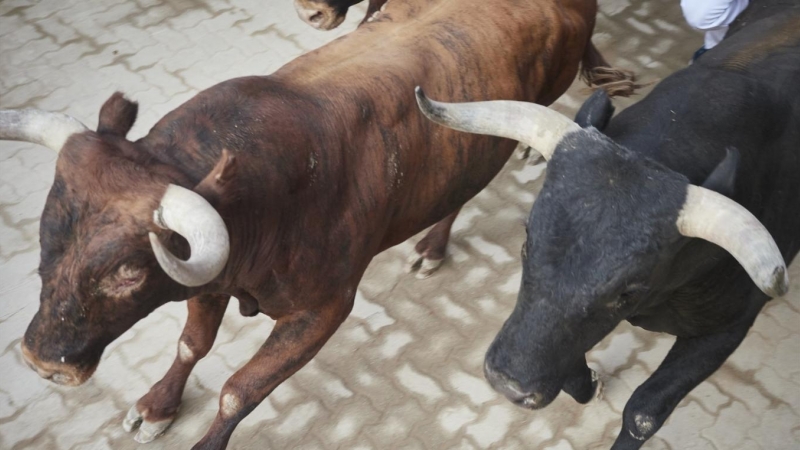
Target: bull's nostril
<point>533,400</point>
<point>60,378</point>
<point>495,379</point>
<point>507,386</point>
<point>316,17</point>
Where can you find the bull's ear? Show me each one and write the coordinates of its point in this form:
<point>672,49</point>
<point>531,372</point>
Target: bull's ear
<point>117,115</point>
<point>723,179</point>
<point>596,111</point>
<point>217,185</point>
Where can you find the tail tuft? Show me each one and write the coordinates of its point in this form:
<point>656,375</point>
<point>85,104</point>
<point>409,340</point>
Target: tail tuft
<point>598,74</point>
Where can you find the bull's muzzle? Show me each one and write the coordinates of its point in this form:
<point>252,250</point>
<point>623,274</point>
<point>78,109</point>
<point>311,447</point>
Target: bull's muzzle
<point>320,16</point>
<point>511,389</point>
<point>58,373</point>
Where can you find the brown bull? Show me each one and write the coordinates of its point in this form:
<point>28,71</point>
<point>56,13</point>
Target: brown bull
<point>278,190</point>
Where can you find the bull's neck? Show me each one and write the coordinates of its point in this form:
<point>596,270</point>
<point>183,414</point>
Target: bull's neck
<point>189,161</point>
<point>276,141</point>
<point>191,139</point>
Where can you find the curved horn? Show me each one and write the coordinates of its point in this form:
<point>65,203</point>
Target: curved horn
<point>534,125</point>
<point>190,215</point>
<point>40,127</point>
<point>718,219</point>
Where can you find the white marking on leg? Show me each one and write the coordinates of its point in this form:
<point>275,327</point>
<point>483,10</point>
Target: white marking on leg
<point>231,404</point>
<point>644,424</point>
<point>635,436</point>
<point>184,352</point>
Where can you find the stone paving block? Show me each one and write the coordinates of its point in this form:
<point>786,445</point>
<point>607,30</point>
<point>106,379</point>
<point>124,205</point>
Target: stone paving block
<point>411,374</point>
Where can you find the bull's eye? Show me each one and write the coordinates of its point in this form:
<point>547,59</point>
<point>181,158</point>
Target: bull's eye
<point>625,298</point>
<point>632,292</point>
<point>123,282</point>
<point>628,296</point>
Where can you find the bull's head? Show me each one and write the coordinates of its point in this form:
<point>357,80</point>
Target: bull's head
<point>603,232</point>
<point>323,14</point>
<point>102,266</point>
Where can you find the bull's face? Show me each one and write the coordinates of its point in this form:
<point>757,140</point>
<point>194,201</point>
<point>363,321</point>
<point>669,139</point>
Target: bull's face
<point>599,235</point>
<point>98,273</point>
<point>101,260</point>
<point>602,235</point>
<point>323,14</point>
<point>99,277</point>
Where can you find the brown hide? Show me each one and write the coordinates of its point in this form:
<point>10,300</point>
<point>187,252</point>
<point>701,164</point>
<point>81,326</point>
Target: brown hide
<point>338,163</point>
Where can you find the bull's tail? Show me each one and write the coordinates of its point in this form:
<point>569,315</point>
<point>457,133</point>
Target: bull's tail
<point>597,73</point>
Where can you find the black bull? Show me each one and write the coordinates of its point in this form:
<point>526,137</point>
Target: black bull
<point>610,235</point>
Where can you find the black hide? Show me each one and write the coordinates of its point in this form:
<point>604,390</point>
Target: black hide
<point>602,243</point>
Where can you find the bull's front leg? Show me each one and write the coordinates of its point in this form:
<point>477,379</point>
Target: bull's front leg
<point>688,363</point>
<point>154,412</point>
<point>295,339</point>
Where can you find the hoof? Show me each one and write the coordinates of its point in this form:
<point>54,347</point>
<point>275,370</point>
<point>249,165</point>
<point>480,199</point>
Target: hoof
<point>423,266</point>
<point>522,151</point>
<point>132,420</point>
<point>148,431</point>
<point>536,158</point>
<point>598,386</point>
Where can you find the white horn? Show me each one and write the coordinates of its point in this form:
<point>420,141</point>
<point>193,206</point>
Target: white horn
<point>534,125</point>
<point>718,219</point>
<point>190,215</point>
<point>40,127</point>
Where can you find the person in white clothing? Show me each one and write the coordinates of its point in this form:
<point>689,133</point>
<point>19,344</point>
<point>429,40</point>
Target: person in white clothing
<point>713,17</point>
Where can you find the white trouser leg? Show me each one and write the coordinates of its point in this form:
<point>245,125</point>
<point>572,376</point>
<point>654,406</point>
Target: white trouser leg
<point>712,16</point>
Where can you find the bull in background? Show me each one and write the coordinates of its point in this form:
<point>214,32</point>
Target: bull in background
<point>277,190</point>
<point>678,216</point>
<point>329,14</point>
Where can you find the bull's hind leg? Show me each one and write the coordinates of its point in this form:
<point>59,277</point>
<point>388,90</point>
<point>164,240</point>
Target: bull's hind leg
<point>688,363</point>
<point>154,412</point>
<point>429,253</point>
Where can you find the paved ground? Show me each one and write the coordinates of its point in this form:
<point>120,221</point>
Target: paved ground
<point>404,371</point>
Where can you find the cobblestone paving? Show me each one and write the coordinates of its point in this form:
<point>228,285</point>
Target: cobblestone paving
<point>404,371</point>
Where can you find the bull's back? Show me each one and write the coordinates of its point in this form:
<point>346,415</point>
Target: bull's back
<point>457,50</point>
<point>744,94</point>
